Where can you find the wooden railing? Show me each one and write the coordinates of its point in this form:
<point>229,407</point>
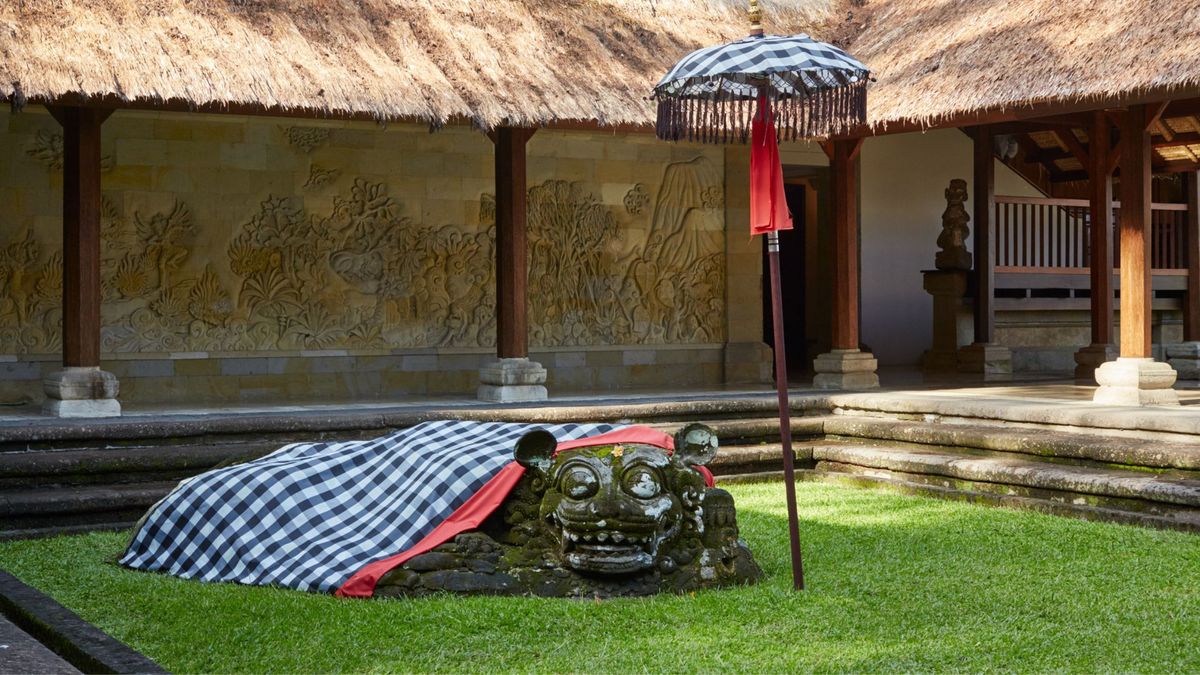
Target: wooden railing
<point>1037,233</point>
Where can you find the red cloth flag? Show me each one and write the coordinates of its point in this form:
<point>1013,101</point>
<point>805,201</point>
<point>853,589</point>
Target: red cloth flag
<point>768,204</point>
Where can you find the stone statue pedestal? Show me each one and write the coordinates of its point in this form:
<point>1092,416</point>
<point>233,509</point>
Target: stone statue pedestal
<point>1135,381</point>
<point>512,381</point>
<point>947,288</point>
<point>1185,359</point>
<point>845,369</point>
<point>1091,357</point>
<point>992,360</point>
<point>81,392</point>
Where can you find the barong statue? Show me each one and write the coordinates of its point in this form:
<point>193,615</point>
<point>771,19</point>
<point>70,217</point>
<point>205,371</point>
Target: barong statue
<point>465,507</point>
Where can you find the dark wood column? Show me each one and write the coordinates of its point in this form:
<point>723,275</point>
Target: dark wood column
<point>512,328</point>
<point>983,204</point>
<point>1191,305</point>
<point>843,165</point>
<point>1099,170</point>
<point>1135,232</point>
<point>81,233</point>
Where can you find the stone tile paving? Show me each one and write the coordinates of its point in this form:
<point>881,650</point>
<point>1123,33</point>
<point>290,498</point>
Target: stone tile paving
<point>20,653</point>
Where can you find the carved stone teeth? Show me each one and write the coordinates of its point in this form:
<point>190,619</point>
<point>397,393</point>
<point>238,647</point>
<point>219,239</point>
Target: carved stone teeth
<point>618,537</point>
<point>602,536</point>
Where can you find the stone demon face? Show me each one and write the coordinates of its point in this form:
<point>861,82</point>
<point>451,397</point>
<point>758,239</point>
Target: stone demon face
<point>612,506</point>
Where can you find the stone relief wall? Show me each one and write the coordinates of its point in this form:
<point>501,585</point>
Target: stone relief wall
<point>309,245</point>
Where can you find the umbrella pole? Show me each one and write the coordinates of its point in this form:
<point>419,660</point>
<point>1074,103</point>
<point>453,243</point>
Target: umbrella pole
<point>785,418</point>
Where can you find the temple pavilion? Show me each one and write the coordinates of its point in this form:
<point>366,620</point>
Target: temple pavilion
<point>248,200</point>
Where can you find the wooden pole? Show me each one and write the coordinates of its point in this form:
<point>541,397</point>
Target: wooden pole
<point>81,233</point>
<point>983,204</point>
<point>512,334</point>
<point>1136,290</point>
<point>1100,197</point>
<point>843,155</point>
<point>785,413</point>
<point>1191,305</point>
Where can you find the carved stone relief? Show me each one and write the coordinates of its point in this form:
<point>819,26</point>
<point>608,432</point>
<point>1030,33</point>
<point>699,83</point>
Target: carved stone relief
<point>307,139</point>
<point>365,276</point>
<point>636,200</point>
<point>952,240</point>
<point>47,149</point>
<point>319,177</point>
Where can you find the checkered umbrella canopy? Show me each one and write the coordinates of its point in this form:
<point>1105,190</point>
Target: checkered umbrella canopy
<point>815,89</point>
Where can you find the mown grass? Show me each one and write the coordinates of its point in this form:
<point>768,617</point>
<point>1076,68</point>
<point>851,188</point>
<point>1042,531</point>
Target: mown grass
<point>895,583</point>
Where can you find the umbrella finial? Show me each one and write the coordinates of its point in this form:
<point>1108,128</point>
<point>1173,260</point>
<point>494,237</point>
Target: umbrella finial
<point>755,18</point>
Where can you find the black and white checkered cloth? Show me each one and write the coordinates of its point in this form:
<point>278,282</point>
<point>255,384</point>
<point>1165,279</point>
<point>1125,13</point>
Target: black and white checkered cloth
<point>796,65</point>
<point>310,515</point>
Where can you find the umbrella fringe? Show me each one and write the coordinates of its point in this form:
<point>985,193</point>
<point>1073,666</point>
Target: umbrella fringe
<point>724,117</point>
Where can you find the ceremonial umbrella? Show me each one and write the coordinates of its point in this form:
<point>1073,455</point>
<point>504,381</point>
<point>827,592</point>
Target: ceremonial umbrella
<point>763,88</point>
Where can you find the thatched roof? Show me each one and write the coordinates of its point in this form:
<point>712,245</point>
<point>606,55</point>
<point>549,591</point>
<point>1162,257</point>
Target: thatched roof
<point>484,61</point>
<point>546,61</point>
<point>938,59</point>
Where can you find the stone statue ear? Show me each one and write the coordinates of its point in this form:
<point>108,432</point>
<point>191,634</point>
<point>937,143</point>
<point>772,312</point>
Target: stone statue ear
<point>696,444</point>
<point>535,450</point>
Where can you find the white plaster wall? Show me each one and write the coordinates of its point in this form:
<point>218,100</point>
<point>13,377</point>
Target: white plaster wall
<point>901,186</point>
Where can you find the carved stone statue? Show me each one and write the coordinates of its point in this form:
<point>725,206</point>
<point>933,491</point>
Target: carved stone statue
<point>954,254</point>
<point>601,521</point>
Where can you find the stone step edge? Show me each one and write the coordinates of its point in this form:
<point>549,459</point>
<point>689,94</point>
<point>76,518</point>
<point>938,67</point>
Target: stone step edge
<point>1124,504</point>
<point>120,459</point>
<point>1060,509</point>
<point>1169,423</point>
<point>68,500</point>
<point>1002,470</point>
<point>82,644</point>
<point>601,410</point>
<point>1038,443</point>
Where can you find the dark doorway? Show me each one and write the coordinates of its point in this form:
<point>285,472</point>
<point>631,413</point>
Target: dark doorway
<point>792,250</point>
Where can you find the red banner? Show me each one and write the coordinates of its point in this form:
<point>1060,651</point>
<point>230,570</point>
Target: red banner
<point>768,204</point>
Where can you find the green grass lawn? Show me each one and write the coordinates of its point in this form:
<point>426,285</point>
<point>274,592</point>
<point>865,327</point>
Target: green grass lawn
<point>895,583</point>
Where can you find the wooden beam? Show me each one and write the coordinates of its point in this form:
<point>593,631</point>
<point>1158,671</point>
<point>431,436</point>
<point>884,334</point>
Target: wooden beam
<point>512,327</point>
<point>1180,166</point>
<point>844,177</point>
<point>1182,102</point>
<point>81,234</point>
<point>1069,139</point>
<point>1101,207</point>
<point>983,204</point>
<point>1191,305</point>
<point>1136,291</point>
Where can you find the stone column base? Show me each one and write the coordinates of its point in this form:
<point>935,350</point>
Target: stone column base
<point>747,363</point>
<point>512,381</point>
<point>1130,381</point>
<point>988,358</point>
<point>1185,359</point>
<point>81,392</point>
<point>845,369</point>
<point>1091,357</point>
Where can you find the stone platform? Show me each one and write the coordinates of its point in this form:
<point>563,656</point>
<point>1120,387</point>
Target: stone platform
<point>71,475</point>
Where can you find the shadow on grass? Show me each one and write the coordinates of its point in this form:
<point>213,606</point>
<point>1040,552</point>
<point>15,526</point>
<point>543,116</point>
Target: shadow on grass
<point>895,583</point>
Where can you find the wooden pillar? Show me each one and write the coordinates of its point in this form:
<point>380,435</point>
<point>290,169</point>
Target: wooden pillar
<point>1136,293</point>
<point>983,205</point>
<point>1191,305</point>
<point>843,155</point>
<point>81,233</point>
<point>845,366</point>
<point>512,327</point>
<point>1100,203</point>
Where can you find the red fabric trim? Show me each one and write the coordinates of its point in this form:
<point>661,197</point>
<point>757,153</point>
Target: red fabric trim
<point>468,517</point>
<point>635,434</point>
<point>471,514</point>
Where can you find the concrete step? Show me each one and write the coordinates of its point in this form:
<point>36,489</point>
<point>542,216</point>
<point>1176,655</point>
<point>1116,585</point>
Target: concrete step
<point>1062,444</point>
<point>74,506</point>
<point>1113,487</point>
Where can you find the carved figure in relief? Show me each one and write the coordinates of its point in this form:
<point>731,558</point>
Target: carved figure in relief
<point>952,240</point>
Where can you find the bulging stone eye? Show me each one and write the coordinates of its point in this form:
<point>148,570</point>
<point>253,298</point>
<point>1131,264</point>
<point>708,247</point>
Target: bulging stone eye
<point>642,482</point>
<point>579,482</point>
